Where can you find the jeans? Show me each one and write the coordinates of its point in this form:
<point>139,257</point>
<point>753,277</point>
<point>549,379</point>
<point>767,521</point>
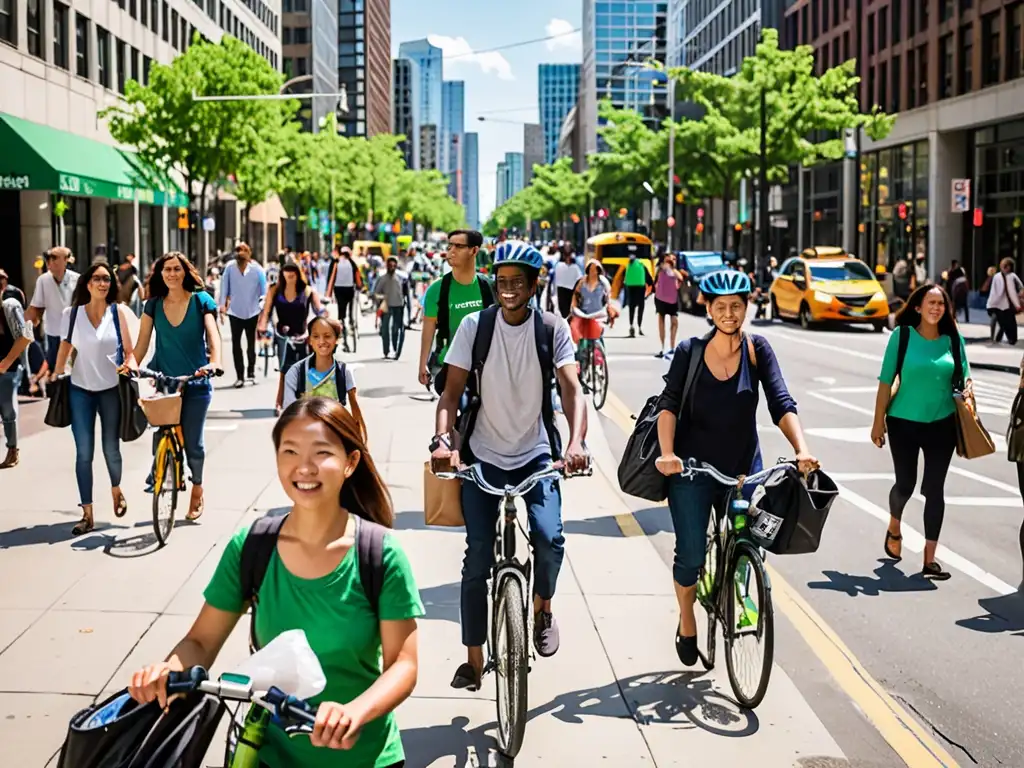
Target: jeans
<point>52,347</point>
<point>1007,324</point>
<point>391,325</point>
<point>690,500</point>
<point>9,383</point>
<point>937,441</point>
<point>248,327</point>
<point>195,402</point>
<point>636,296</point>
<point>85,405</point>
<point>480,510</point>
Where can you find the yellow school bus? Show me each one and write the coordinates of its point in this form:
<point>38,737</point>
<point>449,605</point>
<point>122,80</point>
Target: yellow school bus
<point>614,250</point>
<point>364,248</point>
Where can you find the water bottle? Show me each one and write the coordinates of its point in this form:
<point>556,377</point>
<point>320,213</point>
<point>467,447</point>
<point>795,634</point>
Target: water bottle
<point>738,509</point>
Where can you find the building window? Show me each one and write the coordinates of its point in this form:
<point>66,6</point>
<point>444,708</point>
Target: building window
<point>135,64</point>
<point>824,16</point>
<point>165,25</point>
<point>1014,58</point>
<point>883,28</point>
<point>966,5</point>
<point>946,66</point>
<point>990,64</point>
<point>81,45</point>
<point>846,46</point>
<point>8,29</point>
<point>184,34</point>
<point>945,10</point>
<point>871,34</point>
<point>103,56</point>
<point>121,64</point>
<point>153,19</point>
<point>144,12</point>
<point>60,35</point>
<point>966,54</point>
<point>911,79</point>
<point>34,27</point>
<point>174,30</point>
<point>147,63</point>
<point>871,88</point>
<point>911,18</point>
<point>133,8</point>
<point>922,15</point>
<point>922,75</point>
<point>286,36</point>
<point>897,21</point>
<point>883,84</point>
<point>836,61</point>
<point>894,71</point>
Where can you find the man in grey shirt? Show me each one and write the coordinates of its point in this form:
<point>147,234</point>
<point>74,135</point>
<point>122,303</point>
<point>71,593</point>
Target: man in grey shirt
<point>390,291</point>
<point>513,437</point>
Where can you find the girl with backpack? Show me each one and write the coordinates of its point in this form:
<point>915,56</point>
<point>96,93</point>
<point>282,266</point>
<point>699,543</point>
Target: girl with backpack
<point>315,576</point>
<point>321,374</point>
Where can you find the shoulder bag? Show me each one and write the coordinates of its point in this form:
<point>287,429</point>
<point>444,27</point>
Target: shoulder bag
<point>58,411</point>
<point>133,418</point>
<point>972,439</point>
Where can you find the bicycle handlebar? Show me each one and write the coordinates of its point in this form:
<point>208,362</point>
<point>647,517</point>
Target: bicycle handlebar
<point>474,473</point>
<point>145,373</point>
<point>692,467</point>
<point>275,701</point>
<point>601,314</point>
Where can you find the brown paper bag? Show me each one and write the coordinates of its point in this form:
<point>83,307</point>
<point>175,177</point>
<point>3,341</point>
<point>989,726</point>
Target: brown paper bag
<point>442,500</point>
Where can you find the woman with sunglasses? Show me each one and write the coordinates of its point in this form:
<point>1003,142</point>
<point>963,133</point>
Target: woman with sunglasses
<point>90,327</point>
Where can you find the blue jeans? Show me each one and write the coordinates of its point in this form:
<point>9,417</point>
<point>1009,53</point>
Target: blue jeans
<point>392,325</point>
<point>9,383</point>
<point>195,402</point>
<point>85,405</point>
<point>690,500</point>
<point>544,511</point>
<point>52,347</point>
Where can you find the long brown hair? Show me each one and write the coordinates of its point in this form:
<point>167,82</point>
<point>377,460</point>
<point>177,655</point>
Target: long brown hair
<point>157,288</point>
<point>81,296</point>
<point>910,314</point>
<point>364,492</point>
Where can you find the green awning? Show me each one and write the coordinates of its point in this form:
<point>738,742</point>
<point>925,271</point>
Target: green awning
<point>35,156</point>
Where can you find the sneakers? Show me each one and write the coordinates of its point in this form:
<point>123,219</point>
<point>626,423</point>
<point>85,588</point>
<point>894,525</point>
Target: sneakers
<point>632,332</point>
<point>545,634</point>
<point>686,649</point>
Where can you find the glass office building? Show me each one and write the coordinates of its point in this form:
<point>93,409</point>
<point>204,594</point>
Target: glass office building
<point>430,62</point>
<point>453,123</point>
<point>405,118</point>
<point>471,178</point>
<point>558,88</point>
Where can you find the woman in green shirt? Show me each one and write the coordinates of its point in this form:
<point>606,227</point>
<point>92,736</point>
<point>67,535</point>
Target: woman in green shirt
<point>312,583</point>
<point>921,416</point>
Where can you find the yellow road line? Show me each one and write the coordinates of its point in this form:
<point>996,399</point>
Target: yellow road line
<point>908,739</point>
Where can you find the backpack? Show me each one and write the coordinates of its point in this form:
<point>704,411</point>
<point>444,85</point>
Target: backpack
<point>544,332</point>
<point>444,331</point>
<point>339,379</point>
<point>637,473</point>
<point>261,542</point>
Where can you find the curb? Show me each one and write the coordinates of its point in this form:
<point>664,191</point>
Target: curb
<point>995,367</point>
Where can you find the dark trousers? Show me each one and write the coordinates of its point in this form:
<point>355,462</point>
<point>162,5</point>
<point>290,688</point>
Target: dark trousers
<point>248,327</point>
<point>392,330</point>
<point>937,441</point>
<point>1006,323</point>
<point>636,296</point>
<point>1020,484</point>
<point>565,302</point>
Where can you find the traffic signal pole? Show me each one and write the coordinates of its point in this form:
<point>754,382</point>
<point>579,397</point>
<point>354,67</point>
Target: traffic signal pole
<point>762,191</point>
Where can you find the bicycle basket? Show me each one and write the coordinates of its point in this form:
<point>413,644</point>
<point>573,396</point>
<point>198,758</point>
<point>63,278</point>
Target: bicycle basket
<point>789,513</point>
<point>181,738</point>
<point>108,734</point>
<point>162,410</point>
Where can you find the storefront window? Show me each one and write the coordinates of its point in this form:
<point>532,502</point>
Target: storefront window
<point>76,229</point>
<point>999,185</point>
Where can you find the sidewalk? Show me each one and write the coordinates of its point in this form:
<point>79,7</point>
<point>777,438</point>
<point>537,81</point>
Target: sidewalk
<point>87,612</point>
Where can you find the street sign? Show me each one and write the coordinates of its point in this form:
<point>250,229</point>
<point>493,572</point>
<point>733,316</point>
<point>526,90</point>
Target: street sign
<point>209,224</point>
<point>961,195</point>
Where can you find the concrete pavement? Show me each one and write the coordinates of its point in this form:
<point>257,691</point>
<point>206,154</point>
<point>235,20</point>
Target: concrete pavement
<point>79,615</point>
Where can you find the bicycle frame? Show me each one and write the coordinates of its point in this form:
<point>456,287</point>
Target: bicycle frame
<point>170,438</point>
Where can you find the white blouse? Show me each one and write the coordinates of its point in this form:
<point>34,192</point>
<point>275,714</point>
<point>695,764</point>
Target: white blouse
<point>93,369</point>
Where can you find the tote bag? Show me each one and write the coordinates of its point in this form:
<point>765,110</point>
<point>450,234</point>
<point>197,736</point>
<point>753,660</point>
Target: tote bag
<point>133,419</point>
<point>58,411</point>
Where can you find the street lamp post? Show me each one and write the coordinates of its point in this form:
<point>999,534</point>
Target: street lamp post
<point>669,209</point>
<point>763,222</point>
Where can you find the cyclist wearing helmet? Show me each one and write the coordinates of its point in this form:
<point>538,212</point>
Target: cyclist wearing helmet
<point>716,424</point>
<point>509,428</point>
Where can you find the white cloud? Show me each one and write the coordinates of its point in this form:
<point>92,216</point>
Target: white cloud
<point>457,51</point>
<point>566,38</point>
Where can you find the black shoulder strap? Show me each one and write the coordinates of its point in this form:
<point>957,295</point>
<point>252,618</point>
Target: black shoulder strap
<point>486,291</point>
<point>693,368</point>
<point>71,322</point>
<point>958,363</point>
<point>484,334</point>
<point>117,330</point>
<point>901,348</point>
<point>300,385</point>
<point>444,315</point>
<point>257,549</point>
<point>544,328</point>
<point>339,382</point>
<point>481,349</point>
<point>370,548</point>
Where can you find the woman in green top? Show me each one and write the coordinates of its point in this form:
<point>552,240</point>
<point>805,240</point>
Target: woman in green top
<point>313,583</point>
<point>921,416</point>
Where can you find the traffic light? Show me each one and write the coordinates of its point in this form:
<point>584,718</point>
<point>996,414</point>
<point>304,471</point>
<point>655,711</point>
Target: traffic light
<point>183,218</point>
<point>901,210</point>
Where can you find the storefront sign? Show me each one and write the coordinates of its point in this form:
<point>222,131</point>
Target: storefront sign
<point>15,182</point>
<point>126,193</point>
<point>961,195</point>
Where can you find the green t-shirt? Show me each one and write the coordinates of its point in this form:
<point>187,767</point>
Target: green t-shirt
<point>462,300</point>
<point>636,273</point>
<point>926,381</point>
<point>344,634</point>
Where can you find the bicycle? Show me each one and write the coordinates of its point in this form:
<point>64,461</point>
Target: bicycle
<point>350,327</point>
<point>508,649</point>
<point>732,554</point>
<point>592,361</point>
<point>295,348</point>
<point>164,413</point>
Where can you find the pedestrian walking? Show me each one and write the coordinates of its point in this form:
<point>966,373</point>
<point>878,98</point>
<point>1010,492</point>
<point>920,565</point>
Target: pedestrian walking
<point>8,291</point>
<point>638,281</point>
<point>666,301</point>
<point>924,358</point>
<point>312,581</point>
<point>52,295</point>
<point>390,291</point>
<point>130,290</point>
<point>243,290</point>
<point>15,337</point>
<point>592,294</point>
<point>90,327</point>
<point>567,275</point>
<point>345,280</point>
<point>187,343</point>
<point>958,286</point>
<point>1004,302</point>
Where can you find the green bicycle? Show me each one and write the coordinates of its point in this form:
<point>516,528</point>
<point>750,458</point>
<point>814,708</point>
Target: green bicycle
<point>592,361</point>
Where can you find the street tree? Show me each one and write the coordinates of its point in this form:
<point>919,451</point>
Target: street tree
<point>632,156</point>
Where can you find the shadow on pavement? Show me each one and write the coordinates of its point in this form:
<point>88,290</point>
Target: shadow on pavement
<point>441,603</point>
<point>1005,614</point>
<point>50,533</point>
<point>243,413</point>
<point>888,578</point>
<point>381,392</point>
<point>412,520</point>
<point>652,520</point>
<point>425,746</point>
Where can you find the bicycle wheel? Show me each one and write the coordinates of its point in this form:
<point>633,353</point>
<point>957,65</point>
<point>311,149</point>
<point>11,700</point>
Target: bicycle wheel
<point>707,592</point>
<point>165,490</point>
<point>511,666</point>
<point>750,626</point>
<point>598,375</point>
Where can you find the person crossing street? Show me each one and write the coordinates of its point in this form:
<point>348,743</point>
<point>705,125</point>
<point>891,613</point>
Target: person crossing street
<point>243,290</point>
<point>390,290</point>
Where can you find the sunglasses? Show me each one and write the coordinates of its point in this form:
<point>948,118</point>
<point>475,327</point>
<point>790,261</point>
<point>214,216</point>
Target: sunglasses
<point>100,279</point>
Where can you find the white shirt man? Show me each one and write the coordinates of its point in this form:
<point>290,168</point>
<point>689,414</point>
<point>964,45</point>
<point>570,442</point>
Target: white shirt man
<point>52,295</point>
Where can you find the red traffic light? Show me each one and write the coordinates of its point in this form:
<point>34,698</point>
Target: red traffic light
<point>700,213</point>
<point>671,221</point>
<point>901,210</point>
<point>676,180</point>
<point>979,217</point>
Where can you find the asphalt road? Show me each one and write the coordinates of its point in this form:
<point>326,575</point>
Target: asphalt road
<point>947,653</point>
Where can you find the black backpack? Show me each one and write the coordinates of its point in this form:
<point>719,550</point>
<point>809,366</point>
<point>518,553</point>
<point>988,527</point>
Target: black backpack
<point>544,331</point>
<point>339,379</point>
<point>444,322</point>
<point>261,542</point>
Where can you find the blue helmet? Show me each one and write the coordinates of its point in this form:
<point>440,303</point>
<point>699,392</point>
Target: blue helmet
<point>725,282</point>
<point>518,252</point>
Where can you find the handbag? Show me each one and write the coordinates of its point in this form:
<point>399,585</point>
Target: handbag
<point>133,419</point>
<point>972,439</point>
<point>442,500</point>
<point>58,411</point>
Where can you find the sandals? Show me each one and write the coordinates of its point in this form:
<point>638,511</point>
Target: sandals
<point>934,571</point>
<point>889,536</point>
<point>83,526</point>
<point>196,510</point>
<point>466,678</point>
<point>121,506</point>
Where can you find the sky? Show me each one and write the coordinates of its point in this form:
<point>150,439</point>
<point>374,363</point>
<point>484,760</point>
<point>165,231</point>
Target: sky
<point>500,80</point>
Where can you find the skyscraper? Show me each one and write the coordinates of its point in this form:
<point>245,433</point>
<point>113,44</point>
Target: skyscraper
<point>429,61</point>
<point>453,123</point>
<point>558,89</point>
<point>533,150</point>
<point>500,195</point>
<point>364,65</point>
<point>717,38</point>
<point>406,109</point>
<point>471,178</point>
<point>513,174</point>
<point>618,38</point>
<point>309,46</point>
<point>428,147</point>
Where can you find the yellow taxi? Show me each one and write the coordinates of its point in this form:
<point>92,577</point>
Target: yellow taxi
<point>828,284</point>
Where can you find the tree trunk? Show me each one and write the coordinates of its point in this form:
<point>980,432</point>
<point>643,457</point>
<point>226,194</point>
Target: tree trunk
<point>726,200</point>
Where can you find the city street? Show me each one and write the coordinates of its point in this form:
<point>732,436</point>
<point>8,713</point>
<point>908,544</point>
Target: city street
<point>874,668</point>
